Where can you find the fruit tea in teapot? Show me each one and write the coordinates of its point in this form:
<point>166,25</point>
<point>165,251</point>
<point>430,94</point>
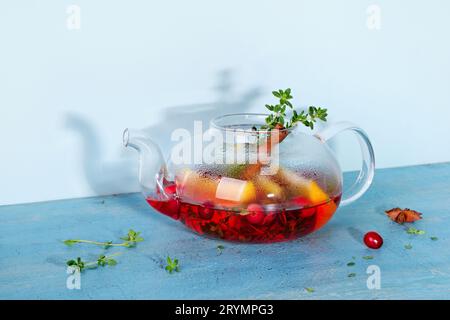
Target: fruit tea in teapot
<point>261,179</point>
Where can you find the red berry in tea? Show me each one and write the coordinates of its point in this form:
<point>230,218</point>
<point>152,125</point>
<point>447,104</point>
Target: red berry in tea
<point>269,218</point>
<point>301,202</point>
<point>255,214</point>
<point>170,189</point>
<point>373,240</point>
<point>308,209</point>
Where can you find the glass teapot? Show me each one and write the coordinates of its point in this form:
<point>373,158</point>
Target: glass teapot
<point>250,185</point>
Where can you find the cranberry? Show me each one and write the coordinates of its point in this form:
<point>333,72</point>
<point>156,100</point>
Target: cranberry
<point>255,214</point>
<point>170,189</point>
<point>269,218</point>
<point>307,212</point>
<point>207,210</point>
<point>206,213</point>
<point>373,240</point>
<point>282,217</point>
<point>305,208</point>
<point>301,202</point>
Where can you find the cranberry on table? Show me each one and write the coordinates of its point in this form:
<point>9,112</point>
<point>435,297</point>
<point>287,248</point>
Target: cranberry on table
<point>373,240</point>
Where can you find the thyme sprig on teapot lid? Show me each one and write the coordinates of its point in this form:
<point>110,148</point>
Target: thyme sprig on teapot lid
<point>277,119</point>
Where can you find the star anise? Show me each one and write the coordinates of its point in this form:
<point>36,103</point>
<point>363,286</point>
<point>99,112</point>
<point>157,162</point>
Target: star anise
<point>403,215</point>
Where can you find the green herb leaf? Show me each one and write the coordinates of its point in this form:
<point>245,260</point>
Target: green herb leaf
<point>367,257</point>
<point>77,263</point>
<point>71,262</point>
<point>69,242</point>
<point>351,275</point>
<point>310,290</point>
<point>434,238</point>
<point>108,244</point>
<point>408,246</point>
<point>111,262</point>
<point>350,264</point>
<point>132,238</point>
<point>220,249</point>
<point>414,231</point>
<point>106,261</point>
<point>172,265</point>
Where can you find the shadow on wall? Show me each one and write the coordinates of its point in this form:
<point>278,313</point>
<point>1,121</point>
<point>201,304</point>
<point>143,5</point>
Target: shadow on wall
<point>120,176</point>
<point>103,176</point>
<point>227,101</point>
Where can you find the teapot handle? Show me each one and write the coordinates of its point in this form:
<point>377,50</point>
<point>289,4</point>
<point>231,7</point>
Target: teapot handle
<point>367,171</point>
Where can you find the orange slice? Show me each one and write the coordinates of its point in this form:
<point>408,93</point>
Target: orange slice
<point>300,186</point>
<point>324,213</point>
<point>314,193</point>
<point>223,191</point>
<point>195,187</point>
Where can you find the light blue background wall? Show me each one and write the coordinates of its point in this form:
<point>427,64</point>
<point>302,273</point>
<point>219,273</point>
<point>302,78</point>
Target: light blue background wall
<point>66,95</point>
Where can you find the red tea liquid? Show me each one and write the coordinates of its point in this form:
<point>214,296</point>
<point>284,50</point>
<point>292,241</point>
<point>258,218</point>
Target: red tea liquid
<point>258,226</point>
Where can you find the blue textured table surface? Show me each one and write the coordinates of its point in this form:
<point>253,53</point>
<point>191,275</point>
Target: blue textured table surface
<point>32,257</point>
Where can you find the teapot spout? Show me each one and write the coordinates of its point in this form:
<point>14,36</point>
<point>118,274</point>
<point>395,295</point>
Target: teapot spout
<point>152,167</point>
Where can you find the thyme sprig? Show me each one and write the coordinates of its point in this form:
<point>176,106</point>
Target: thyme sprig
<point>279,118</point>
<point>101,261</point>
<point>130,240</point>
